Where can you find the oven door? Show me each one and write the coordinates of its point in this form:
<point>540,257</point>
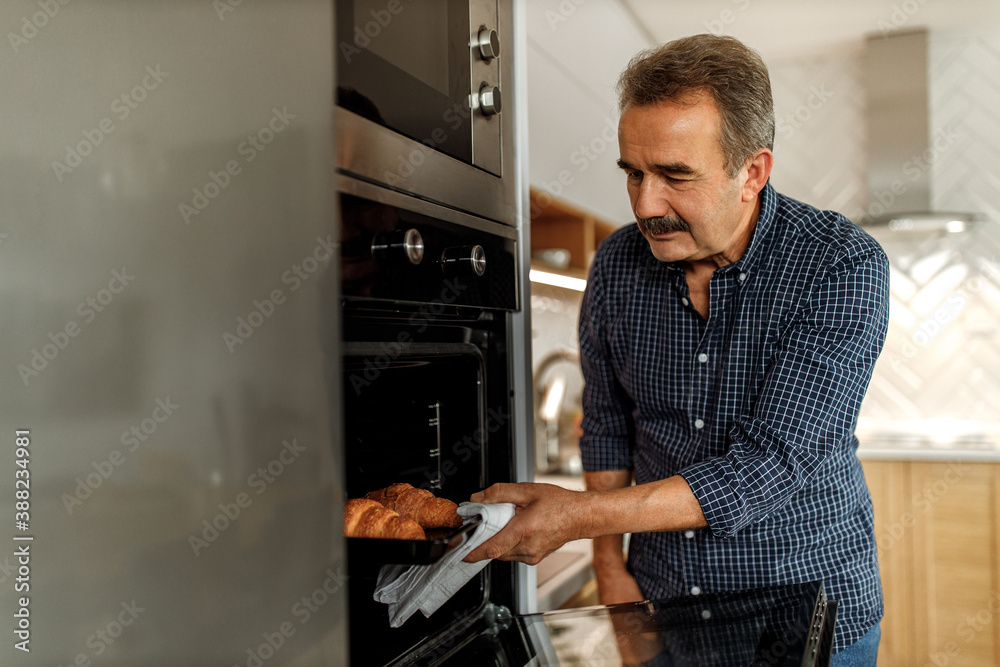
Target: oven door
<point>790,626</point>
<point>425,403</point>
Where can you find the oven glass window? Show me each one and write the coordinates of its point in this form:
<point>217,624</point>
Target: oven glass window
<point>416,417</point>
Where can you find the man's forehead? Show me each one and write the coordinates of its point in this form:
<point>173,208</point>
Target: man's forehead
<point>672,127</point>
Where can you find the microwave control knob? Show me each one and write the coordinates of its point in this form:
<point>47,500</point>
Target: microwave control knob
<point>489,99</point>
<point>468,260</point>
<point>488,42</point>
<point>398,246</point>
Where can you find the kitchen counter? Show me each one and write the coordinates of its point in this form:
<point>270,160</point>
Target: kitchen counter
<point>924,452</point>
<point>933,441</point>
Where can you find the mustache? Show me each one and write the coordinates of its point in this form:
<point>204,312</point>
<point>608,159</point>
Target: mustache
<point>663,224</point>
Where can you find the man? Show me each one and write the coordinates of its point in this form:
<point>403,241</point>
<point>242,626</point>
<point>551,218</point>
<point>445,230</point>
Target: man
<point>726,341</point>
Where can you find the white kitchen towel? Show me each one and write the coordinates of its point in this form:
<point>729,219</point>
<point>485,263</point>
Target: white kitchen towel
<point>406,588</point>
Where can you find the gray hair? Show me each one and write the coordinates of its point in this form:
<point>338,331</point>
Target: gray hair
<point>733,74</point>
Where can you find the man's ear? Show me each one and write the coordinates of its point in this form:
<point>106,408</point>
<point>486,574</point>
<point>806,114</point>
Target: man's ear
<point>758,170</point>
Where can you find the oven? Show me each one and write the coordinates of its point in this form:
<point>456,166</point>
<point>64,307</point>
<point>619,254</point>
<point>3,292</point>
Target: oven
<point>427,294</point>
<point>421,104</point>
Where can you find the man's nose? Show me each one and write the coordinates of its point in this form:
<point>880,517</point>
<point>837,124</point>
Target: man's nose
<point>650,201</point>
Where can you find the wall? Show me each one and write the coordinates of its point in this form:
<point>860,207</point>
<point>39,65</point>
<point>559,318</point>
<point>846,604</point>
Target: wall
<point>573,117</point>
<point>939,375</point>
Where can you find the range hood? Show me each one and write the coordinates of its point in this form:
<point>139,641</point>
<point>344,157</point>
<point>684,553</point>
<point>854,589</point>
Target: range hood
<point>901,148</point>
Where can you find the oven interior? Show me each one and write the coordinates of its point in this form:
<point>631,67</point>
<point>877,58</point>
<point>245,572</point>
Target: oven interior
<point>422,411</point>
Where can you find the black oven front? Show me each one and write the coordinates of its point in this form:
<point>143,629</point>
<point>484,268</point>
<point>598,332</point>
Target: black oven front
<point>427,293</point>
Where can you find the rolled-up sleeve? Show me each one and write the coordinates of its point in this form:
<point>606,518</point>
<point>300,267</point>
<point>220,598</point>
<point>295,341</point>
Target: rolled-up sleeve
<point>809,399</point>
<point>608,433</point>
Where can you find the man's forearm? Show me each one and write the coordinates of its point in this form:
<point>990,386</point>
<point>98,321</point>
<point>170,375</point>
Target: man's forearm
<point>608,559</point>
<point>663,505</point>
<point>549,516</point>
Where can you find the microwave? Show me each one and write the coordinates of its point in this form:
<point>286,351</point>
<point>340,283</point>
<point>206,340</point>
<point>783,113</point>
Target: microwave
<point>422,105</point>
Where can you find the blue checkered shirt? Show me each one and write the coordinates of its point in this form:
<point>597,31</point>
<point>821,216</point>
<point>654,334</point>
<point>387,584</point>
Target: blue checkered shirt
<point>755,407</point>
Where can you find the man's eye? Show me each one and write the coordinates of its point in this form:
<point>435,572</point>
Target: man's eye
<point>634,175</point>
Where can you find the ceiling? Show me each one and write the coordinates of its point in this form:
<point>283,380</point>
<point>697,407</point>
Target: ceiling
<point>795,28</point>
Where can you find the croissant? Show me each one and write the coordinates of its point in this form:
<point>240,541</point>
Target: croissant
<point>418,504</point>
<point>367,518</point>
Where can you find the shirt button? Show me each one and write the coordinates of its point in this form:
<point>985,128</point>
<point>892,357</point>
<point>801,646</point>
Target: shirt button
<point>695,590</point>
<point>742,277</point>
<point>706,614</point>
<point>689,534</point>
<point>702,357</point>
<point>698,423</point>
<point>685,301</point>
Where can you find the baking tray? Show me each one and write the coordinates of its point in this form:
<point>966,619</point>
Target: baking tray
<point>440,541</point>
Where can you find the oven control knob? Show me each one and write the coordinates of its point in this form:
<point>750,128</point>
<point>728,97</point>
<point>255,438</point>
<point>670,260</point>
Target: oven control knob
<point>468,260</point>
<point>489,99</point>
<point>398,246</point>
<point>488,42</point>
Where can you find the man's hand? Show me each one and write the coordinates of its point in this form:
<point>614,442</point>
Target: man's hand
<point>547,517</point>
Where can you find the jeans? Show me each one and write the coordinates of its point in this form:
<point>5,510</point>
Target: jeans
<point>861,653</point>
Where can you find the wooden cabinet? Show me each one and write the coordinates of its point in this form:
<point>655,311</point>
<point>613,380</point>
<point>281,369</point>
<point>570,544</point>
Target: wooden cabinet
<point>937,526</point>
<point>556,224</point>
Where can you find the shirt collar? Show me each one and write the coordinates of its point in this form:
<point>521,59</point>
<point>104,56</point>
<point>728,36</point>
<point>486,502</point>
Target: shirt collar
<point>758,240</point>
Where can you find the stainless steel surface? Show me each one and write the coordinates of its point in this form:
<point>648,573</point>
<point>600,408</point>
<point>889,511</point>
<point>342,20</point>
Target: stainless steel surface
<point>489,100</point>
<point>396,247</point>
<point>490,134</point>
<point>901,149</point>
<point>393,198</point>
<point>488,43</point>
<point>176,276</point>
<point>897,81</point>
<point>547,427</point>
<point>520,322</point>
<point>470,261</point>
